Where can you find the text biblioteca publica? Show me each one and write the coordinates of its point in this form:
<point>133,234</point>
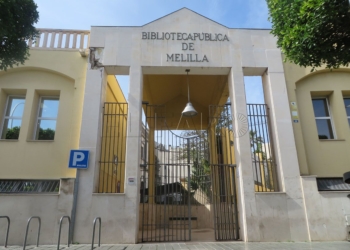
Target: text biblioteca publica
<point>181,36</point>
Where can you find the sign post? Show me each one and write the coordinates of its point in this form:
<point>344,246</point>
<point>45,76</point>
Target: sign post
<point>78,159</point>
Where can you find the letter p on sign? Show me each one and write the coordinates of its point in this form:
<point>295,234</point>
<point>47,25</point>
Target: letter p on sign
<point>79,159</point>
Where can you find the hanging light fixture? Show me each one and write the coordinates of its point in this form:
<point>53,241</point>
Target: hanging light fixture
<point>189,109</point>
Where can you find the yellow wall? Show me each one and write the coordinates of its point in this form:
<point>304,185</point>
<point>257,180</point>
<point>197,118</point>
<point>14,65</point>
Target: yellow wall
<point>113,92</point>
<point>47,72</point>
<point>324,158</point>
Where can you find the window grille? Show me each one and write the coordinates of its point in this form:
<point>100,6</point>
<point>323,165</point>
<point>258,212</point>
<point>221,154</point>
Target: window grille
<point>261,143</point>
<point>332,184</point>
<point>113,144</point>
<point>29,186</point>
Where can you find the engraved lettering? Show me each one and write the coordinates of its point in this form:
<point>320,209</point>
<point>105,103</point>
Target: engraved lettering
<point>168,57</point>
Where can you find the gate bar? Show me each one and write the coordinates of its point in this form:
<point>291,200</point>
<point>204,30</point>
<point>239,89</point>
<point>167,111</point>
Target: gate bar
<point>25,237</point>
<point>59,232</point>
<point>189,188</point>
<point>99,233</point>
<point>8,228</point>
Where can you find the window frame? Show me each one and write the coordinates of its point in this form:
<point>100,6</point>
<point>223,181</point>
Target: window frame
<point>329,117</point>
<point>37,119</point>
<point>9,117</point>
<point>348,116</point>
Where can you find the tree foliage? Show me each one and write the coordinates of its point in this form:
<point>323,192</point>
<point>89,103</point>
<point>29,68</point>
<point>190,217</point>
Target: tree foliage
<point>12,133</point>
<point>312,32</point>
<point>46,134</point>
<point>17,18</point>
<point>256,144</point>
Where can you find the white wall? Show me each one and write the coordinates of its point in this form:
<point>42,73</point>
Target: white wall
<point>325,211</point>
<point>49,207</point>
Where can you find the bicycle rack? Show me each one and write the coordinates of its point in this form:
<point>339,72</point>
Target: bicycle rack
<point>8,228</point>
<point>99,233</point>
<point>347,219</point>
<point>25,237</point>
<point>59,234</point>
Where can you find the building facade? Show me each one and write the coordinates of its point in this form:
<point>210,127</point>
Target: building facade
<point>261,169</point>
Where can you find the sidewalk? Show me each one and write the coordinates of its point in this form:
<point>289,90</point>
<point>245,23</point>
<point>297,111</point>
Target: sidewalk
<point>341,245</point>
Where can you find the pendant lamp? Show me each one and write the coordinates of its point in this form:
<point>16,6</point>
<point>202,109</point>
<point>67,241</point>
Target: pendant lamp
<point>189,109</point>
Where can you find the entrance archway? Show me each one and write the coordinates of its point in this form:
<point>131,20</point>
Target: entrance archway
<point>188,185</point>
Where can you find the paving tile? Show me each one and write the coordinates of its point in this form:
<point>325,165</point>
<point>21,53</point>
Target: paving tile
<point>343,245</point>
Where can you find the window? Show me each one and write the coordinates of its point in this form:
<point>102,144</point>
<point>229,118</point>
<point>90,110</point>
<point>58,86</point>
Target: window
<point>47,117</point>
<point>347,108</point>
<point>13,117</point>
<point>323,118</point>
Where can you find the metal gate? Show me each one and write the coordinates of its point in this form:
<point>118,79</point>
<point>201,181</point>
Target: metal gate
<point>223,169</point>
<point>183,169</point>
<point>113,143</point>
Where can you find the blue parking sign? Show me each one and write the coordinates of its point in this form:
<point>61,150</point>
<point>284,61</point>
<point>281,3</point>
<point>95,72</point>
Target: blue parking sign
<point>79,159</point>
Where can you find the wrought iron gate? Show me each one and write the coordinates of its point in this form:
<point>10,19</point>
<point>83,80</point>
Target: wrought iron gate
<point>174,175</point>
<point>223,169</point>
<point>177,173</point>
<point>113,143</point>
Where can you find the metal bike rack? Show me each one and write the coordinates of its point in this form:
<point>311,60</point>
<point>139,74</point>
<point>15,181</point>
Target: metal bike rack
<point>99,233</point>
<point>8,228</point>
<point>347,219</point>
<point>59,232</point>
<point>25,237</point>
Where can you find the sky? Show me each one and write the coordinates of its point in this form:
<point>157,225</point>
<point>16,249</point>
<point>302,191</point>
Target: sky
<point>82,14</point>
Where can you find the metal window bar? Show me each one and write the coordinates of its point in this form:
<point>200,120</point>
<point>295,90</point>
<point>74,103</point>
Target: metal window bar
<point>113,144</point>
<point>93,232</point>
<point>263,157</point>
<point>59,232</point>
<point>25,237</point>
<point>29,186</point>
<point>8,228</point>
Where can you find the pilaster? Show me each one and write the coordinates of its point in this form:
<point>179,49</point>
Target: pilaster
<point>133,154</point>
<point>249,229</point>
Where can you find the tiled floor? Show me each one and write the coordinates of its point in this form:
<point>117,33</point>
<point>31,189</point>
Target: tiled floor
<point>343,245</point>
